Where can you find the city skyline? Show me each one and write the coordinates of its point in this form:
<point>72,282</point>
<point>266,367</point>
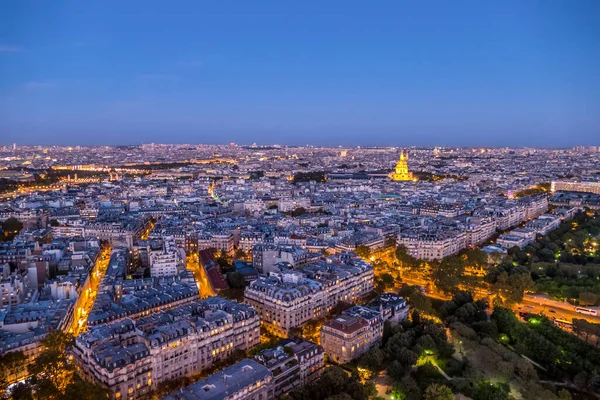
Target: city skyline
<point>186,271</point>
<point>469,74</point>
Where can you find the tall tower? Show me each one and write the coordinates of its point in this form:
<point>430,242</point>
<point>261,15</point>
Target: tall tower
<point>402,173</point>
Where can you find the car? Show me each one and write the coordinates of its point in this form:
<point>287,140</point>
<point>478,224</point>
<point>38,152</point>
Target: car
<point>530,306</point>
<point>552,311</point>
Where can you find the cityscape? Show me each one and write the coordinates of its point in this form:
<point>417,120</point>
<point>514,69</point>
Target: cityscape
<point>233,271</point>
<point>310,200</point>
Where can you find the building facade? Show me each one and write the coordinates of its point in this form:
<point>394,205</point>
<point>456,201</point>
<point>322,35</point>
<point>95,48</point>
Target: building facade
<point>131,357</point>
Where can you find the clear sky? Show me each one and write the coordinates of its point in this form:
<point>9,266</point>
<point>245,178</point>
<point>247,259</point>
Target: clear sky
<point>448,72</point>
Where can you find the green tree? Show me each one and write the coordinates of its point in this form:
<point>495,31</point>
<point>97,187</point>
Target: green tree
<point>405,259</point>
<point>396,370</point>
<point>51,369</point>
<point>11,365</point>
<point>486,390</point>
<point>363,251</point>
<point>387,331</point>
<point>22,391</point>
<point>240,254</point>
<point>449,274</point>
<point>406,389</point>
<point>421,303</point>
<point>581,379</point>
<point>83,390</point>
<point>11,227</point>
<point>236,280</point>
<point>387,279</point>
<point>564,394</point>
<point>54,222</point>
<point>373,360</point>
<point>588,298</point>
<point>438,392</point>
<point>298,212</point>
<point>341,396</point>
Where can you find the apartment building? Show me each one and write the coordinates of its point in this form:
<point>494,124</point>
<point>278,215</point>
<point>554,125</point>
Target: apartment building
<point>534,206</point>
<point>433,246</point>
<point>249,239</point>
<point>266,256</point>
<point>287,299</point>
<point>293,364</point>
<point>223,241</point>
<point>478,230</point>
<point>254,205</point>
<point>574,186</point>
<point>131,357</point>
<point>163,257</point>
<point>509,240</point>
<point>244,380</point>
<point>346,337</point>
<point>290,204</point>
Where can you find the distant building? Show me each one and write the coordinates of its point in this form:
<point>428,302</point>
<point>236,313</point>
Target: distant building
<point>401,173</point>
<point>266,256</point>
<point>290,204</point>
<point>573,186</point>
<point>218,241</point>
<point>433,246</point>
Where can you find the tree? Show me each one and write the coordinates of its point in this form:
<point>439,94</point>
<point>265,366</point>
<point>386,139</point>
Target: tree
<point>426,343</point>
<point>587,298</point>
<point>486,390</point>
<point>21,391</point>
<point>54,222</point>
<point>406,389</point>
<point>387,331</point>
<point>581,379</point>
<point>11,366</point>
<point>387,279</point>
<point>421,302</point>
<point>341,396</point>
<point>236,280</point>
<point>593,383</point>
<point>298,212</point>
<point>334,381</point>
<point>51,369</point>
<point>449,274</point>
<point>240,254</point>
<point>362,251</point>
<point>396,370</point>
<point>11,227</point>
<point>406,260</point>
<point>373,360</point>
<point>438,392</point>
<point>83,390</point>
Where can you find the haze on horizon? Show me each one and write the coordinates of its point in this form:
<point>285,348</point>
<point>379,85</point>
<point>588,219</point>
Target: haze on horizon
<point>467,73</point>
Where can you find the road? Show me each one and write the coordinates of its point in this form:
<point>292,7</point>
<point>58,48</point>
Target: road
<point>204,288</point>
<point>553,308</point>
<point>532,303</point>
<point>86,298</point>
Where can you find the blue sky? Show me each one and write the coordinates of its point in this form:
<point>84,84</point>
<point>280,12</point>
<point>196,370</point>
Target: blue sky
<point>482,73</point>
